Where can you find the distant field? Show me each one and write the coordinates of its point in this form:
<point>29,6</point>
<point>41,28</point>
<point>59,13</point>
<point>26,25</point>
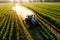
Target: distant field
<point>47,14</point>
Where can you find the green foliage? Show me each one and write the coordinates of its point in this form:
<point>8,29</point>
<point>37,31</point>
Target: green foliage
<point>12,27</point>
<point>47,13</point>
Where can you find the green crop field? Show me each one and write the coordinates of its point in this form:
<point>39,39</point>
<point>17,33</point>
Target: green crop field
<point>47,14</point>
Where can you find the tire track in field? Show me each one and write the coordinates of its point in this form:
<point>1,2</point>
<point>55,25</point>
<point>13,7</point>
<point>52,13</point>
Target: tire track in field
<point>35,33</point>
<point>38,35</point>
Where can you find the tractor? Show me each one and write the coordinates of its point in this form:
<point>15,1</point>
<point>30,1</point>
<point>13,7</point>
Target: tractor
<point>31,21</point>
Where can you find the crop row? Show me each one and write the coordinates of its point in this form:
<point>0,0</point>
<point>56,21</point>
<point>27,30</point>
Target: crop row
<point>43,14</point>
<point>48,13</point>
<point>10,25</point>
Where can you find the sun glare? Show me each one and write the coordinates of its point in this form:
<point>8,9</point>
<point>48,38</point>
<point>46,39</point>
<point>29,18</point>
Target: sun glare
<point>24,0</point>
<point>15,1</point>
<point>22,11</point>
<point>12,0</point>
<point>19,1</point>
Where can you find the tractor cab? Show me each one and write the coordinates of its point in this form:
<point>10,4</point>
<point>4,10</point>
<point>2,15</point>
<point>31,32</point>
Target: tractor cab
<point>31,21</point>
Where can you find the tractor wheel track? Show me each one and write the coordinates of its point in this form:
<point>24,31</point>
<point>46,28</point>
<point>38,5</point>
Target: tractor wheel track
<point>38,35</point>
<point>36,32</point>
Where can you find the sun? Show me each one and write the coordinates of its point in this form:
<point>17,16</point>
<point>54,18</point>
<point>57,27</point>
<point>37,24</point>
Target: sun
<point>15,1</point>
<point>12,0</point>
<point>24,0</point>
<point>16,7</point>
<point>19,1</point>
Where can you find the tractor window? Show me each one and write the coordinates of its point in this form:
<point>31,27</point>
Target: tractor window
<point>33,20</point>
